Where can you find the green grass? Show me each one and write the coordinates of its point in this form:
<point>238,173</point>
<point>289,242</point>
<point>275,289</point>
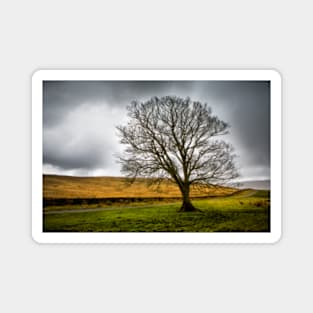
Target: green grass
<point>241,212</point>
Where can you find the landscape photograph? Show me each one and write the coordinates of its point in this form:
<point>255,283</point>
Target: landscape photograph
<point>156,156</point>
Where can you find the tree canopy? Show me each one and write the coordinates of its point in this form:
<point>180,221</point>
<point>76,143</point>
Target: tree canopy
<point>177,139</point>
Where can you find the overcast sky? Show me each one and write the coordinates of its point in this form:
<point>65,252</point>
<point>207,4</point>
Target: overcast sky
<point>79,120</point>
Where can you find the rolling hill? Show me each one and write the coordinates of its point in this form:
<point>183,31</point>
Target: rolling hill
<point>55,186</point>
<point>256,184</point>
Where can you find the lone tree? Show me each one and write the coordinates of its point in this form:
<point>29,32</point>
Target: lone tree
<point>174,138</point>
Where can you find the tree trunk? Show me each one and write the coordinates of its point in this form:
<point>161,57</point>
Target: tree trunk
<point>187,205</point>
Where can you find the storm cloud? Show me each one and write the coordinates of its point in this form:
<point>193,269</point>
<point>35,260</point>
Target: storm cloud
<point>79,120</point>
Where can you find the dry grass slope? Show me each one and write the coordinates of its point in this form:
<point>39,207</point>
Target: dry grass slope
<point>115,187</point>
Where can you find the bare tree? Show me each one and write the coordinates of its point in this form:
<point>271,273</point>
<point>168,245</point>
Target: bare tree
<point>176,139</point>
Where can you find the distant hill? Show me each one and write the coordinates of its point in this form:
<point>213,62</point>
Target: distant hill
<point>256,184</point>
<point>55,186</point>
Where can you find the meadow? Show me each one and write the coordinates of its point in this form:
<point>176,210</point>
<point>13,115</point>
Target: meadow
<point>108,205</point>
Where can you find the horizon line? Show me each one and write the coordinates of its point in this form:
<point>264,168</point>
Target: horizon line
<point>114,176</point>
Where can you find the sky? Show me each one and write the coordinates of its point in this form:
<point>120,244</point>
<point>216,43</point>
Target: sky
<point>80,119</point>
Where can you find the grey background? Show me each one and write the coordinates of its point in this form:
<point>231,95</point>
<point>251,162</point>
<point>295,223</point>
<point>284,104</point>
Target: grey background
<point>162,34</point>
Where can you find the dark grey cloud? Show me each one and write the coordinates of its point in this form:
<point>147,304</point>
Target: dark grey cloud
<point>60,97</point>
<point>83,153</point>
<point>79,119</point>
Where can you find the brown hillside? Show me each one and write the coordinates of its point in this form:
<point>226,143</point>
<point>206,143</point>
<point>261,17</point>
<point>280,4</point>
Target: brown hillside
<point>114,187</point>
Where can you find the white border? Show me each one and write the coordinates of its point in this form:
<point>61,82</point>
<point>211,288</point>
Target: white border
<point>37,220</point>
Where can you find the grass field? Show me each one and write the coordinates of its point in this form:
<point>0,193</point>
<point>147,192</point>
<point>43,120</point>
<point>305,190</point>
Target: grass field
<point>229,211</point>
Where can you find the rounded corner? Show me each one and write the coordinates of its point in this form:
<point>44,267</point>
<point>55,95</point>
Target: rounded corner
<point>277,238</point>
<point>37,74</point>
<point>276,74</point>
<point>36,238</point>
